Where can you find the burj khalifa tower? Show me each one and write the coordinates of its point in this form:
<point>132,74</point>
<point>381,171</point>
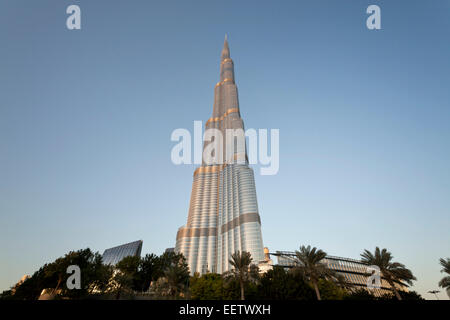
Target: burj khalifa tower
<point>223,213</point>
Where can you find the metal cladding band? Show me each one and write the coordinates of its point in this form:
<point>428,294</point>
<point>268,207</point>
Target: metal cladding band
<point>232,110</point>
<point>213,169</point>
<point>224,81</point>
<point>208,232</point>
<point>209,169</point>
<point>196,232</point>
<point>243,218</point>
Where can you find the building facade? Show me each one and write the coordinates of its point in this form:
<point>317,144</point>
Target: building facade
<point>114,255</point>
<point>223,213</point>
<point>354,272</point>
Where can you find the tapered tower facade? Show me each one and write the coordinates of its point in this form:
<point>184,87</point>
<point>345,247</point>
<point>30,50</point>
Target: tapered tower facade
<point>223,213</point>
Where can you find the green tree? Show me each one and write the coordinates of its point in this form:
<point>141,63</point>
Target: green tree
<point>243,271</point>
<point>393,272</point>
<point>330,290</point>
<point>121,283</point>
<point>309,264</point>
<point>170,275</point>
<point>147,272</point>
<point>279,284</point>
<point>359,294</point>
<point>6,295</point>
<point>209,286</point>
<point>177,275</point>
<point>445,281</point>
<point>124,278</point>
<point>31,288</point>
<point>231,289</point>
<point>164,261</point>
<point>94,275</point>
<point>98,276</point>
<point>129,265</point>
<point>55,272</point>
<point>410,295</point>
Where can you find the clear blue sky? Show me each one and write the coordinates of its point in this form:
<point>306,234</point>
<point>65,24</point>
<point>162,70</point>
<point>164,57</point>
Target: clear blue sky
<point>86,118</point>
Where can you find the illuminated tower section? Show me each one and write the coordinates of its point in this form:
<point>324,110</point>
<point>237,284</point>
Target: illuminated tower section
<point>223,212</point>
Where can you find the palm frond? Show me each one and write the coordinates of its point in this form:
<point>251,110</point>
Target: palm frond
<point>392,271</point>
<point>445,263</point>
<point>445,282</point>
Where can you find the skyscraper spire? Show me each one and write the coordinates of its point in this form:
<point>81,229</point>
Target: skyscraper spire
<point>226,49</point>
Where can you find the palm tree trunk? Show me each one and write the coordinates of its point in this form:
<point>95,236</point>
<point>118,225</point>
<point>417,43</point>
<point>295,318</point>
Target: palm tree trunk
<point>395,290</point>
<point>57,285</point>
<point>119,289</point>
<point>242,289</point>
<point>316,288</point>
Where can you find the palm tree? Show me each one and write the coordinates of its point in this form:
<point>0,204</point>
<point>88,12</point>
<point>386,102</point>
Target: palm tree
<point>309,263</point>
<point>243,270</point>
<point>393,272</point>
<point>445,281</point>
